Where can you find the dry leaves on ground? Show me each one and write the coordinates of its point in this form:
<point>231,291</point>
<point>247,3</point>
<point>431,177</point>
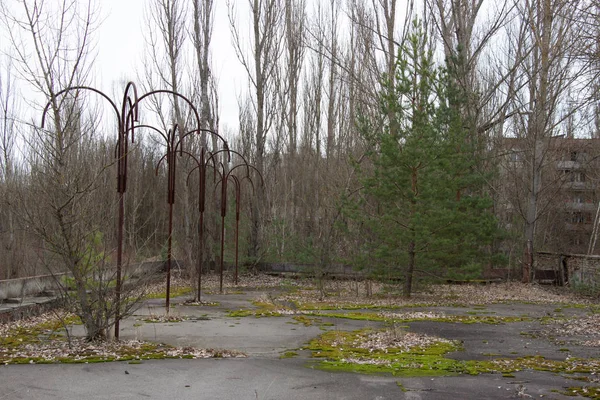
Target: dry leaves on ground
<point>348,294</point>
<point>41,340</point>
<point>397,339</point>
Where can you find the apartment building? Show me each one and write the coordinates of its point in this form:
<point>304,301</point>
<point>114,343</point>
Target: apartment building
<point>568,193</point>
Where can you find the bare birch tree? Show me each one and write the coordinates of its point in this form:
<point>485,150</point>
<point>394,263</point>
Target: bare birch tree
<point>8,137</point>
<point>266,19</point>
<point>550,71</point>
<point>51,47</point>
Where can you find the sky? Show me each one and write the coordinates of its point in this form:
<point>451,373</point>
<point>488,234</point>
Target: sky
<point>120,47</point>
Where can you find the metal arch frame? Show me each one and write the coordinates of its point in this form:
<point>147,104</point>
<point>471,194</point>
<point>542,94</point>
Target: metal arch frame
<point>201,165</point>
<point>225,177</point>
<point>174,146</point>
<point>126,120</point>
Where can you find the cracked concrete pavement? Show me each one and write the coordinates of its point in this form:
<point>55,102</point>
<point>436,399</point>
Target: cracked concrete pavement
<point>263,375</point>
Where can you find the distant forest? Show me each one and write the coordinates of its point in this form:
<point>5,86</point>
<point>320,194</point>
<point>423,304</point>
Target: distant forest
<point>428,139</point>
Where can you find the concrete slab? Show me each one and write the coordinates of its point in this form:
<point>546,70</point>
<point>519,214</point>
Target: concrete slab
<point>264,376</point>
<point>256,378</point>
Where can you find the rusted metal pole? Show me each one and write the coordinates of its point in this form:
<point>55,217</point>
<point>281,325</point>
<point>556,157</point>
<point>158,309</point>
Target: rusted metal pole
<point>237,186</point>
<point>126,118</point>
<point>201,205</point>
<point>129,115</point>
<point>237,234</point>
<point>119,263</point>
<point>223,213</point>
<point>200,255</point>
<point>169,249</point>
<point>224,178</point>
<point>171,168</point>
<point>222,247</point>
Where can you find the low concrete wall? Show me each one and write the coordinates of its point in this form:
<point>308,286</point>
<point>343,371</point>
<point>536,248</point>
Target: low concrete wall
<point>34,285</point>
<point>146,269</point>
<point>22,311</point>
<point>22,287</point>
<point>334,271</point>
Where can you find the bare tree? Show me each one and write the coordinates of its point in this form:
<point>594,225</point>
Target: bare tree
<point>51,45</point>
<point>261,66</point>
<point>8,137</point>
<point>549,71</point>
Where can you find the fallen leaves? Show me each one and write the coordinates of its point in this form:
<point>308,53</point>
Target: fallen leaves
<point>397,339</point>
<point>583,330</point>
<point>347,295</point>
<point>42,340</point>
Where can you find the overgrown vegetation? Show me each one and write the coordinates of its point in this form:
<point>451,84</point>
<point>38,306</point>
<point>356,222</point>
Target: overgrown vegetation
<point>422,208</point>
<point>359,352</point>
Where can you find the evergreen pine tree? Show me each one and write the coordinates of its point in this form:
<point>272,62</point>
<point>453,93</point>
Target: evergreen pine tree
<point>421,201</point>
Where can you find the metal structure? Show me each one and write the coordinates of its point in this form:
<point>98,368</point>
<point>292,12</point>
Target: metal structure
<point>174,144</point>
<point>238,189</point>
<point>174,141</point>
<point>225,178</point>
<point>201,164</point>
<point>127,117</point>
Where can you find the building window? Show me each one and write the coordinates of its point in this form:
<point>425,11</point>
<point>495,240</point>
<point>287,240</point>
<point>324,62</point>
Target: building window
<point>573,156</point>
<point>575,176</point>
<point>515,156</point>
<point>576,240</point>
<point>579,217</point>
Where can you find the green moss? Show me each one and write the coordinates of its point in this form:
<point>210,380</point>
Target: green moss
<point>365,316</point>
<point>263,310</point>
<point>547,320</point>
<point>462,319</point>
<point>590,392</point>
<point>340,351</point>
<point>288,354</point>
<point>156,319</point>
<point>148,351</point>
<point>305,320</point>
<point>174,292</point>
<point>240,313</point>
<point>48,330</point>
<point>324,306</point>
<point>401,386</point>
<point>256,313</point>
<point>12,347</point>
<point>480,312</point>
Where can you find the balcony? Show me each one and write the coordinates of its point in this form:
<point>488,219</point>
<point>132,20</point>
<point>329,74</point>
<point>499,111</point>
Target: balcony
<point>578,186</point>
<point>568,165</point>
<point>576,206</point>
<point>578,227</point>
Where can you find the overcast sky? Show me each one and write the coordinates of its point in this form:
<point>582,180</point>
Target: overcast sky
<point>120,45</point>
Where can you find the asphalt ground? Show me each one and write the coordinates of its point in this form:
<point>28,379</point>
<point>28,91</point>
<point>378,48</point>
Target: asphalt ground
<point>263,375</point>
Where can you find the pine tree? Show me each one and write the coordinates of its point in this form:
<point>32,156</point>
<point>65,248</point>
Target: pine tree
<point>421,200</point>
